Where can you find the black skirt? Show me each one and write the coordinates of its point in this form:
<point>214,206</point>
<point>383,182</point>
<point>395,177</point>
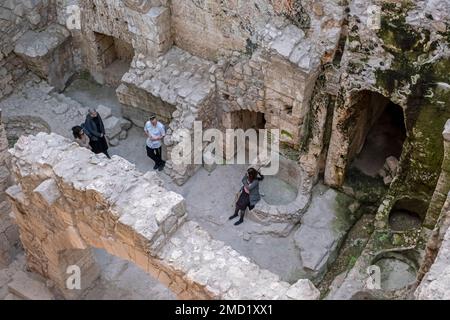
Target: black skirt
<point>99,146</point>
<point>244,201</point>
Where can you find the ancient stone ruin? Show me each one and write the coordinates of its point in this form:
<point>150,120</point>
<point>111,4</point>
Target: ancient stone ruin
<point>358,91</point>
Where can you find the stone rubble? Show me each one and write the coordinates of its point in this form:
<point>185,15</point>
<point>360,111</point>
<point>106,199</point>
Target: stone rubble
<point>301,66</point>
<point>389,170</point>
<point>53,112</point>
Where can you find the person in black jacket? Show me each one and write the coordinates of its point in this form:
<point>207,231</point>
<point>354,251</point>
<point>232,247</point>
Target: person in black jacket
<point>96,131</point>
<point>249,194</point>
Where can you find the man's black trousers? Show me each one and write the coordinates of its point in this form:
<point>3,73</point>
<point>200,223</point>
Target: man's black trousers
<point>155,155</point>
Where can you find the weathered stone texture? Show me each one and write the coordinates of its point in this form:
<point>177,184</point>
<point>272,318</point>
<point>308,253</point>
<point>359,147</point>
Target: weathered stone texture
<point>437,214</point>
<point>48,53</point>
<point>68,200</point>
<point>9,236</point>
<point>178,89</point>
<point>16,18</point>
<point>436,283</point>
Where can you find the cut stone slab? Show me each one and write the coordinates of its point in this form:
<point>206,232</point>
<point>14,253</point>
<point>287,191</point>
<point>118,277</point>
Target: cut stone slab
<point>322,230</point>
<point>38,44</point>
<point>112,126</point>
<point>25,287</point>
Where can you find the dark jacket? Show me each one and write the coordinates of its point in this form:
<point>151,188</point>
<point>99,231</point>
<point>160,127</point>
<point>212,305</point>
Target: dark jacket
<point>253,189</point>
<point>91,128</point>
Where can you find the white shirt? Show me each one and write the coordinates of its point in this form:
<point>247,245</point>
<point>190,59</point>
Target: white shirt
<point>154,131</point>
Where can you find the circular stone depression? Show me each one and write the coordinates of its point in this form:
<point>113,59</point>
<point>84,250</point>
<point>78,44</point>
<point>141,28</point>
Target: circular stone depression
<point>276,191</point>
<point>398,271</point>
<point>407,214</point>
<point>17,126</point>
<point>281,201</point>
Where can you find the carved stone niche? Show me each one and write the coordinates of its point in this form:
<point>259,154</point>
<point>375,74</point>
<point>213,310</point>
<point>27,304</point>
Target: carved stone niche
<point>142,6</point>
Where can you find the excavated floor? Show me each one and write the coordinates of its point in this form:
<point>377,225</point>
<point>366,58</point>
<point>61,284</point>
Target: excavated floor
<point>89,93</point>
<point>210,201</point>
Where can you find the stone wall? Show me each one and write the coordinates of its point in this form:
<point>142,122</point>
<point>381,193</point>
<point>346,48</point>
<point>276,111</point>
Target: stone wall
<point>438,210</point>
<point>146,28</point>
<point>435,285</point>
<point>9,236</point>
<point>68,200</point>
<point>225,26</point>
<point>177,88</point>
<point>376,61</point>
<point>16,18</point>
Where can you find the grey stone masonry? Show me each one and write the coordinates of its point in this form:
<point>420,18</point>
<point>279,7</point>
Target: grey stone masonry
<point>48,53</point>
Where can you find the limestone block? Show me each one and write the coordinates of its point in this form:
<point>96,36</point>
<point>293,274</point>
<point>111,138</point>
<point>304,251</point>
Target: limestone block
<point>112,126</point>
<point>48,53</point>
<point>303,289</point>
<point>125,124</point>
<point>49,191</point>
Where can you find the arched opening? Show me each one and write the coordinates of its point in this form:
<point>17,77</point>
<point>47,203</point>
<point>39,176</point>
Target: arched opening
<point>113,57</point>
<point>245,119</point>
<point>378,132</point>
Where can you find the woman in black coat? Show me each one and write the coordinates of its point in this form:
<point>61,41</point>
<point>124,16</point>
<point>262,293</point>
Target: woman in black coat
<point>249,194</point>
<point>96,130</point>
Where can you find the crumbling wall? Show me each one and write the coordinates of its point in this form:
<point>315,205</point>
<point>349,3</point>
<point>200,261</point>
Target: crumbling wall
<point>224,26</point>
<point>16,18</point>
<point>405,67</point>
<point>68,200</point>
<point>146,28</point>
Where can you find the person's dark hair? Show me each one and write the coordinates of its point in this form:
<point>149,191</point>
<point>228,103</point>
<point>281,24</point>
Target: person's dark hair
<point>76,131</point>
<point>253,174</point>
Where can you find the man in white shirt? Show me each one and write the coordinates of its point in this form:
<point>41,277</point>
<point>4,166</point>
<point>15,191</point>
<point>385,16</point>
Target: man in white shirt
<point>155,132</point>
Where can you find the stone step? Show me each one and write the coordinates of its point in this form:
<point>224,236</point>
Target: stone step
<point>29,289</point>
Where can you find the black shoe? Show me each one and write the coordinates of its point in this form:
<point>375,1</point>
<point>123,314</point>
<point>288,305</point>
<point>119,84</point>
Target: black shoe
<point>161,167</point>
<point>232,217</point>
<point>238,222</point>
<point>155,167</point>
